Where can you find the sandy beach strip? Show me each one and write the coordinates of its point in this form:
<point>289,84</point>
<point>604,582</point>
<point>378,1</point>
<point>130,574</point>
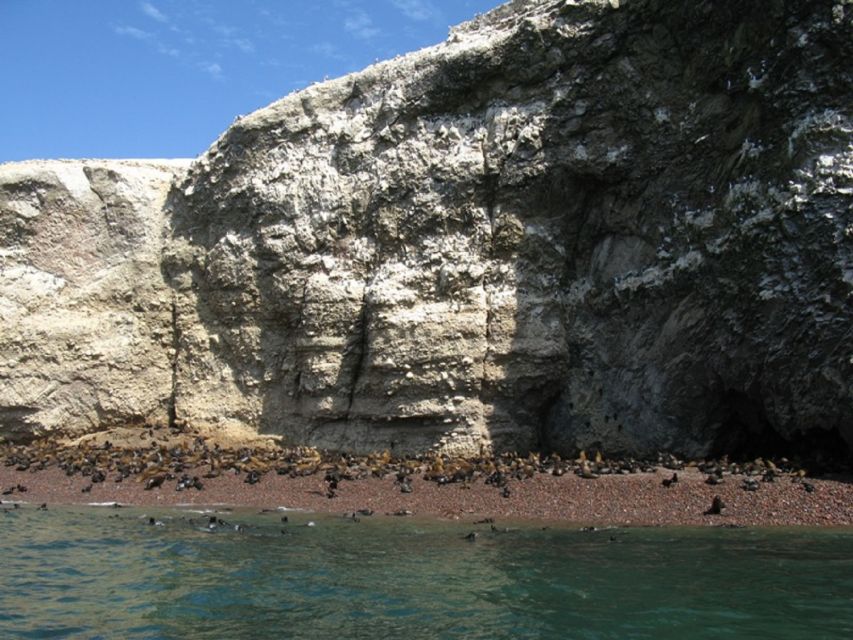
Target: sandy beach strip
<point>625,500</point>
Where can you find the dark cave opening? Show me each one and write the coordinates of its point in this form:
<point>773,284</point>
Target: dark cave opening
<point>745,433</point>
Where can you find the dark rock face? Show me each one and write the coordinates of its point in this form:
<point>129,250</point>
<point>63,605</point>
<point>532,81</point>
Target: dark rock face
<point>572,225</point>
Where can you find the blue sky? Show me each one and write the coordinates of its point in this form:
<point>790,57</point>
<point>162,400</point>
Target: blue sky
<point>163,78</point>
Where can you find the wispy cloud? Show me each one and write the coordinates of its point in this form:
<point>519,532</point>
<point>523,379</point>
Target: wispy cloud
<point>327,49</point>
<point>221,29</point>
<point>243,44</point>
<point>213,69</point>
<point>149,38</point>
<point>420,10</point>
<point>361,25</point>
<point>133,32</point>
<point>153,12</point>
<point>193,35</point>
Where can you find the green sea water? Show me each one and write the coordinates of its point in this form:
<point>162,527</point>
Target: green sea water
<point>90,572</point>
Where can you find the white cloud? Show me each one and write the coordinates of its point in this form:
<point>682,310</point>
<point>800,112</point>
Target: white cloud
<point>360,25</point>
<point>417,9</point>
<point>168,51</point>
<point>133,32</point>
<point>243,44</point>
<point>213,69</point>
<point>327,49</point>
<point>222,29</point>
<point>153,12</point>
<point>146,36</point>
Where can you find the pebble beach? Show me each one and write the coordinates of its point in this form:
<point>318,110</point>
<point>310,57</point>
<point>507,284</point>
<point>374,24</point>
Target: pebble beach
<point>567,492</point>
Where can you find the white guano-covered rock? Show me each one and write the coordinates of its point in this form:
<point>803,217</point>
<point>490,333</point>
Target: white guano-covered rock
<point>85,316</point>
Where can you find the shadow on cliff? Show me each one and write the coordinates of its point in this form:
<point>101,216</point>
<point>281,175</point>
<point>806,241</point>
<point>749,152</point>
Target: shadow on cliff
<point>681,367</point>
<point>590,364</point>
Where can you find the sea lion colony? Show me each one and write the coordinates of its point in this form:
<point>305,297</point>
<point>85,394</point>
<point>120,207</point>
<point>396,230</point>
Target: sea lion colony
<point>186,465</point>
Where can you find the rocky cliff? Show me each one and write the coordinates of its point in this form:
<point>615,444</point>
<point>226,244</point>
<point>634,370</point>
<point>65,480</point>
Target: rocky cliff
<point>85,316</point>
<point>572,225</point>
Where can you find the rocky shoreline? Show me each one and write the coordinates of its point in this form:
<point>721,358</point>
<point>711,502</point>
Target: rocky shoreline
<point>177,468</point>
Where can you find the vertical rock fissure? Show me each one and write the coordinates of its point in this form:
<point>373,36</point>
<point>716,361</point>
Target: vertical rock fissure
<point>487,347</point>
<point>362,352</point>
<point>176,343</point>
<point>491,181</point>
<point>300,327</point>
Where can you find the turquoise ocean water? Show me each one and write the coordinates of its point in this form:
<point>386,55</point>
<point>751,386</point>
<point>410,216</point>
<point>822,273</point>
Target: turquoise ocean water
<point>106,573</point>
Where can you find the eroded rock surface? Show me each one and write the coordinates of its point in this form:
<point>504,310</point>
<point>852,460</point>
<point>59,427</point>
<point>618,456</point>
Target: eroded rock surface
<point>574,224</point>
<point>85,316</point>
<point>599,224</point>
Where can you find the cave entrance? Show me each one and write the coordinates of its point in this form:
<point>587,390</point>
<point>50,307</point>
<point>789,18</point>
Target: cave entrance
<point>745,433</point>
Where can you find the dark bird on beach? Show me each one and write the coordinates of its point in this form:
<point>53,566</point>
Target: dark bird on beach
<point>506,493</point>
<point>714,479</point>
<point>750,484</point>
<point>472,537</point>
<point>42,507</point>
<point>87,488</point>
<point>156,481</point>
<point>668,482</point>
<point>332,478</point>
<point>809,487</point>
<point>717,506</point>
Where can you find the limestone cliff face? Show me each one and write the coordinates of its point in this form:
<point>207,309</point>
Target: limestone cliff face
<point>85,317</point>
<point>573,224</point>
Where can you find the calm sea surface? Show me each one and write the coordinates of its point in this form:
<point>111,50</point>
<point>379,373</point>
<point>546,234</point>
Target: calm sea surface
<point>106,573</point>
